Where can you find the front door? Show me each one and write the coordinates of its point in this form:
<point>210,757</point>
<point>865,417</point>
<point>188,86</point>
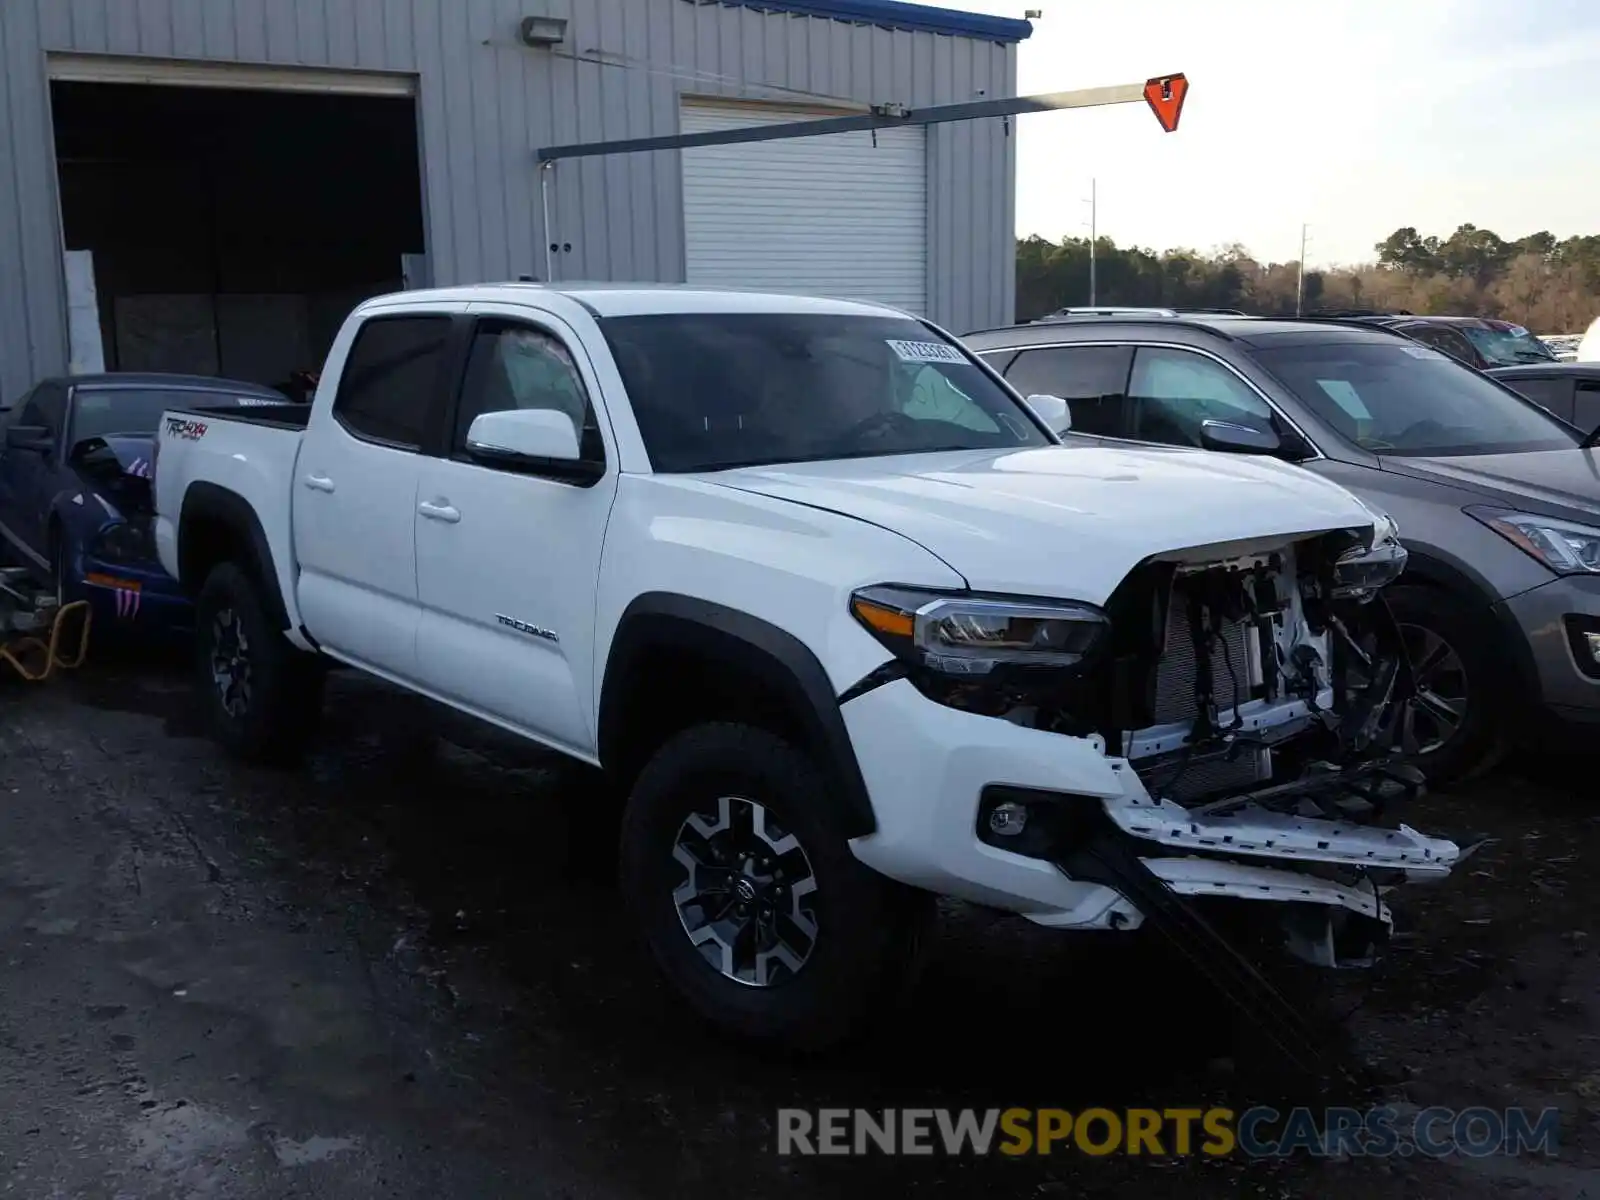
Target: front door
<point>355,492</point>
<point>507,562</point>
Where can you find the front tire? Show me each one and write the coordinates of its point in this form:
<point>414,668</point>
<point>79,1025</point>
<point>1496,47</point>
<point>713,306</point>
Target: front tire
<point>262,695</point>
<point>749,899</point>
<point>1456,715</point>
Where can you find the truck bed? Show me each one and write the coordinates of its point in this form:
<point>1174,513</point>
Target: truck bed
<point>287,415</point>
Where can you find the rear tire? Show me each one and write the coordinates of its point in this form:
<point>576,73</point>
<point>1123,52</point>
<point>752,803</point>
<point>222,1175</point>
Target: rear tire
<point>841,941</point>
<point>262,696</point>
<point>1452,653</point>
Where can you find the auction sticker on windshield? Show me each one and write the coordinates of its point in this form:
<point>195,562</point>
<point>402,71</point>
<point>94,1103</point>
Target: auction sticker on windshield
<point>1424,352</point>
<point>925,352</point>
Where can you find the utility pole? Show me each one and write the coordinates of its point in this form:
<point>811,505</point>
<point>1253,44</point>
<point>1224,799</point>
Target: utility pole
<point>1300,285</point>
<point>1094,236</point>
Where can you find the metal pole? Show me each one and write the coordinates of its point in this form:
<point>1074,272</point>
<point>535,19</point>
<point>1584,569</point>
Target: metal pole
<point>549,235</point>
<point>1094,236</point>
<point>1164,94</point>
<point>1300,284</point>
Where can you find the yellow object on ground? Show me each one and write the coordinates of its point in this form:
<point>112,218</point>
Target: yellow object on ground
<point>50,652</point>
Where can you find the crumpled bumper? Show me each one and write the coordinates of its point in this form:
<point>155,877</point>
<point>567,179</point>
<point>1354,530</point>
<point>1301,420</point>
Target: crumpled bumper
<point>935,775</point>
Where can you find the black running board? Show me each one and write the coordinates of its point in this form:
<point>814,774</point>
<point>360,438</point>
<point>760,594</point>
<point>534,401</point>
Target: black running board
<point>1108,856</point>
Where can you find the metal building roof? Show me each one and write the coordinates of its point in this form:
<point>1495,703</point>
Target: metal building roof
<point>897,14</point>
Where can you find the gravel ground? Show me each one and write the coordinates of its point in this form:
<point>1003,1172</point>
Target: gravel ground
<point>401,971</point>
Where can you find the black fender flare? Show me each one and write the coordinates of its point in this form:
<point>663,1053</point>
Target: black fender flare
<point>781,661</point>
<point>212,502</point>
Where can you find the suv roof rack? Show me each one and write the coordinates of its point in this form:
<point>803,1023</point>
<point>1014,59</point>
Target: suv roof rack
<point>1115,310</point>
<point>1358,313</point>
<point>1130,316</point>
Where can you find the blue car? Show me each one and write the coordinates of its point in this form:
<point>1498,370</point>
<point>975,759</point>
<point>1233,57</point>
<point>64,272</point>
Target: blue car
<point>76,476</point>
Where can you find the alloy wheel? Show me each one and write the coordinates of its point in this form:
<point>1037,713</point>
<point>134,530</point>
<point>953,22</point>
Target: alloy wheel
<point>747,902</point>
<point>1440,705</point>
<point>230,663</point>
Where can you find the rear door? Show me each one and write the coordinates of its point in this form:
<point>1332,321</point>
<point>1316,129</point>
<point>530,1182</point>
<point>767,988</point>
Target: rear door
<point>355,490</point>
<point>507,560</point>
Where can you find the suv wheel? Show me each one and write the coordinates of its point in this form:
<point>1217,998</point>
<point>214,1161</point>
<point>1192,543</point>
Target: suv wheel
<point>1454,716</point>
<point>749,899</point>
<point>262,694</point>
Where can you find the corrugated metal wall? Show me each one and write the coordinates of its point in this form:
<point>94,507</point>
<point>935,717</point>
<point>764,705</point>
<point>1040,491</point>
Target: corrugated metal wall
<point>487,102</point>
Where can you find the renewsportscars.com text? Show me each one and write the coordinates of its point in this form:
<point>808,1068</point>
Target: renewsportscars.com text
<point>1215,1132</point>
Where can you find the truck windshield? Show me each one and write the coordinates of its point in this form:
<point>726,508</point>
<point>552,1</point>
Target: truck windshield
<point>1507,347</point>
<point>713,391</point>
<point>1399,399</point>
<point>103,412</point>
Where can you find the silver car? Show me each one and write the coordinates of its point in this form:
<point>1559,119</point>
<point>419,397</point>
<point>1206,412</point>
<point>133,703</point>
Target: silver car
<point>1497,500</point>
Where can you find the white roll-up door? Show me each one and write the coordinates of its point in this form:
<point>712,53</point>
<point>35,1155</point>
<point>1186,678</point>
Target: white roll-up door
<point>836,215</point>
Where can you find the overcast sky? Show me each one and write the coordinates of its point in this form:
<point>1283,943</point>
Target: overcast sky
<point>1354,116</point>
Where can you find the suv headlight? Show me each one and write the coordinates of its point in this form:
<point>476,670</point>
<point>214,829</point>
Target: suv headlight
<point>130,541</point>
<point>1564,546</point>
<point>972,636</point>
<point>1360,572</point>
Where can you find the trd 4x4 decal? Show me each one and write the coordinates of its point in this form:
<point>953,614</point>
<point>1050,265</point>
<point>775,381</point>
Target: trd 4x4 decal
<point>189,431</point>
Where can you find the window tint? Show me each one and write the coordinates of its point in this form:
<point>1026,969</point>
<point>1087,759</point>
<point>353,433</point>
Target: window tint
<point>1441,337</point>
<point>1174,391</point>
<point>1093,380</point>
<point>1400,399</point>
<point>1586,406</point>
<point>46,406</point>
<point>512,365</point>
<point>718,390</point>
<point>1552,394</point>
<point>390,385</point>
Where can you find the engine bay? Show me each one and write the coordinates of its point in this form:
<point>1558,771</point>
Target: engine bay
<point>1240,673</point>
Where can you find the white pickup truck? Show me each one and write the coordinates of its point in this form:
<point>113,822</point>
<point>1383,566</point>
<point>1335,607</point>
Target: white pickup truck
<point>849,623</point>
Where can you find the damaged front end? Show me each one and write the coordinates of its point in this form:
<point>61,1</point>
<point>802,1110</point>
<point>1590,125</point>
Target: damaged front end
<point>1263,700</point>
<point>1254,698</point>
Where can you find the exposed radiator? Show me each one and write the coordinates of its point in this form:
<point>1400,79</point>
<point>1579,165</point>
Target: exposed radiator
<point>1175,702</point>
<point>1175,674</point>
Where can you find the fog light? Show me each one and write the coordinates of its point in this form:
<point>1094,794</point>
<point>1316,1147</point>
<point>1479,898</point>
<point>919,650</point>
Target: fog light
<point>1008,819</point>
<point>1592,640</point>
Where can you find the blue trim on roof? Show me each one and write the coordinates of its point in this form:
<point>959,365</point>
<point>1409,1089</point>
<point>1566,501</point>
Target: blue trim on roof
<point>897,14</point>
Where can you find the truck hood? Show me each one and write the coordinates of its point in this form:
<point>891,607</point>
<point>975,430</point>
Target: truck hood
<point>1555,483</point>
<point>1069,520</point>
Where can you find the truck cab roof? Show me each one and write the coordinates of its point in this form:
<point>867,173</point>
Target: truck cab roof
<point>637,299</point>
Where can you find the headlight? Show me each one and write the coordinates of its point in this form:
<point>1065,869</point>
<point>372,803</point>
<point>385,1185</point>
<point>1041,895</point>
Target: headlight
<point>961,635</point>
<point>125,542</point>
<point>1563,546</point>
<point>1360,572</point>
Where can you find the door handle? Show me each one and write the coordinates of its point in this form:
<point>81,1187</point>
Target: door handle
<point>439,512</point>
<point>319,483</point>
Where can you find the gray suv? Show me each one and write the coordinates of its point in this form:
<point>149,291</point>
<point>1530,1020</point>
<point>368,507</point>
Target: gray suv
<point>1496,499</point>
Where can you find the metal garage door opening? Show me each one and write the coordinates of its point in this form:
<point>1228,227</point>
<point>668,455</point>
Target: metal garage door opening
<point>229,232</point>
<point>844,214</point>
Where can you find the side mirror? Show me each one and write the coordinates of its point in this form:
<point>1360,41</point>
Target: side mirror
<point>1053,411</point>
<point>30,437</point>
<point>1238,439</point>
<point>535,441</point>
